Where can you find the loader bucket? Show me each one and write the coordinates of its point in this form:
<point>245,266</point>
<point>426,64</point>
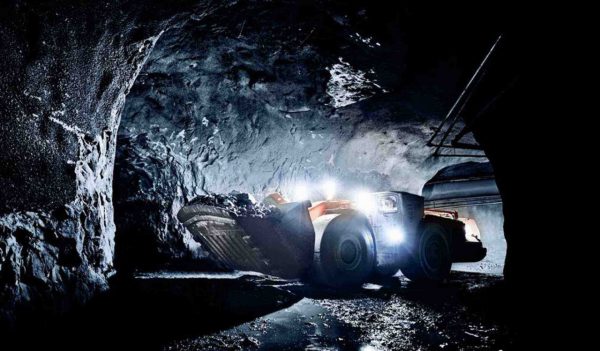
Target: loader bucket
<point>280,243</point>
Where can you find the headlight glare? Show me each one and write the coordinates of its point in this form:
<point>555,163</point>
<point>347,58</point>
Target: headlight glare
<point>329,188</point>
<point>365,202</point>
<point>301,192</point>
<point>395,235</point>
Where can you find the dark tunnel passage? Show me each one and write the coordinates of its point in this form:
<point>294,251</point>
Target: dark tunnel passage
<point>215,111</point>
<point>116,116</point>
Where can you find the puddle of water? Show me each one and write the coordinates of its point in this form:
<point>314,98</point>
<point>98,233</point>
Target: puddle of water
<point>197,275</point>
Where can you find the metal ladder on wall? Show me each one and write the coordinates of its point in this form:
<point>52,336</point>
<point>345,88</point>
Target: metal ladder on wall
<point>447,126</point>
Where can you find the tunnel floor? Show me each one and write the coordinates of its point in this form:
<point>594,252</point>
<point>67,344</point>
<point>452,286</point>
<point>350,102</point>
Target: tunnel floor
<point>276,314</point>
<point>249,311</point>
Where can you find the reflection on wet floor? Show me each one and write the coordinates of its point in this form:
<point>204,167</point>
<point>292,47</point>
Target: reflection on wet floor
<point>249,311</point>
<point>391,316</point>
<point>305,325</point>
<point>196,275</point>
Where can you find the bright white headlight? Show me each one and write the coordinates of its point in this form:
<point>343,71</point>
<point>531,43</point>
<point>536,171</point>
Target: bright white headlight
<point>394,235</point>
<point>329,188</point>
<point>301,192</point>
<point>365,202</point>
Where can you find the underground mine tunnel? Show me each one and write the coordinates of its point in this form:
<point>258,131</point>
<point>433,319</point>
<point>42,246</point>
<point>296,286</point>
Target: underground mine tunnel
<point>263,175</point>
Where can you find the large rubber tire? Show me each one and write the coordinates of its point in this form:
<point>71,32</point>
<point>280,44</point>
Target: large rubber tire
<point>347,252</point>
<point>429,259</point>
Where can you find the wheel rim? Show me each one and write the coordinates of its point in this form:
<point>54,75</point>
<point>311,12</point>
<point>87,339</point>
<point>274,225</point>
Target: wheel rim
<point>348,254</point>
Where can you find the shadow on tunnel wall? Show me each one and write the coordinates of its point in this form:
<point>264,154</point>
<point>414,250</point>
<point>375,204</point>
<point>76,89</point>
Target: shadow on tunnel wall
<point>509,125</point>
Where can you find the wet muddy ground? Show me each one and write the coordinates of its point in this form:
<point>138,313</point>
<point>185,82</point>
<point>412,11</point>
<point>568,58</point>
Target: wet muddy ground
<point>392,316</point>
<point>249,311</point>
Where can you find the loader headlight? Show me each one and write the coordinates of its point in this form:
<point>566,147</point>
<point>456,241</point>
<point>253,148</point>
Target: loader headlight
<point>301,192</point>
<point>365,202</point>
<point>394,235</point>
<point>329,188</point>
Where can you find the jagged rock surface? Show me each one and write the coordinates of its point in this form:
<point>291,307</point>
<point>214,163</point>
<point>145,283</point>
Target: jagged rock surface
<point>64,75</point>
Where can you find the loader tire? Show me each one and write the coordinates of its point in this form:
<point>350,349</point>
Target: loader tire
<point>347,252</point>
<point>429,259</point>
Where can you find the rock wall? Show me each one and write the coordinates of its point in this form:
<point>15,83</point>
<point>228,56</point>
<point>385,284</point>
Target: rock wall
<point>265,96</point>
<point>64,74</point>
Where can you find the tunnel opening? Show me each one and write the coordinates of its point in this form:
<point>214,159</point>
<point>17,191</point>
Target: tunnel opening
<point>255,106</point>
<point>468,192</point>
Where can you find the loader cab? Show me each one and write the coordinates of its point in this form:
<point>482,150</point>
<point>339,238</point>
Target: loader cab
<point>366,237</point>
<point>394,218</point>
